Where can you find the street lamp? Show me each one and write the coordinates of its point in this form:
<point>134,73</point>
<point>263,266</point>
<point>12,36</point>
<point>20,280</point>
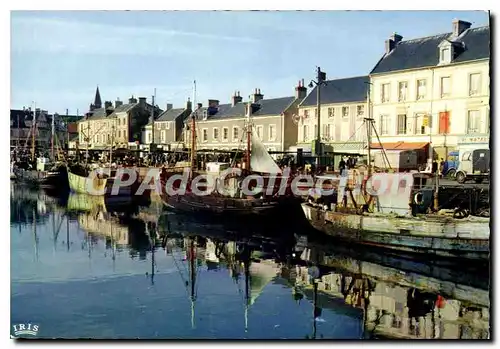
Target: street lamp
<point>320,80</point>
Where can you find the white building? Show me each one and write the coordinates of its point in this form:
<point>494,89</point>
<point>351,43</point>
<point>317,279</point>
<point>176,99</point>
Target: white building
<point>342,117</point>
<point>433,90</point>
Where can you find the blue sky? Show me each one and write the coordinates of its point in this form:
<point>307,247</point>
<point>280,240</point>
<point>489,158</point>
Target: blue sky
<point>58,58</point>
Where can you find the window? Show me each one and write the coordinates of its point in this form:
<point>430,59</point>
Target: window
<point>235,132</point>
<point>272,132</point>
<point>420,121</point>
<point>225,133</point>
<point>474,84</point>
<point>444,122</point>
<point>473,121</point>
<point>167,125</point>
<point>445,86</point>
<point>205,135</point>
<point>421,89</point>
<point>402,124</point>
<point>385,93</point>
<point>109,138</point>
<point>466,156</point>
<point>402,89</point>
<point>306,114</point>
<point>215,133</point>
<point>445,54</point>
<point>149,137</point>
<point>331,112</point>
<point>163,136</point>
<point>360,110</point>
<point>260,131</point>
<point>324,131</point>
<point>119,133</point>
<point>330,132</point>
<point>345,112</point>
<point>315,131</point>
<point>305,133</point>
<point>316,112</point>
<point>384,123</point>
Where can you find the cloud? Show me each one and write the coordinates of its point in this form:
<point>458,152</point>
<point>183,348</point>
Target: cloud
<point>77,37</point>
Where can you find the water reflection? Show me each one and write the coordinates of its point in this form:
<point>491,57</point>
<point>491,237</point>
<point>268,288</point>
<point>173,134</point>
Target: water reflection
<point>284,284</point>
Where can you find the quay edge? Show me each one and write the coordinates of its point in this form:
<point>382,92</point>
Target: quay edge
<point>430,235</point>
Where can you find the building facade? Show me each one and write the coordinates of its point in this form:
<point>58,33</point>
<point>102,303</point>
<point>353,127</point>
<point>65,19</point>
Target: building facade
<point>342,117</point>
<point>119,125</point>
<point>168,128</point>
<point>223,126</point>
<point>433,92</point>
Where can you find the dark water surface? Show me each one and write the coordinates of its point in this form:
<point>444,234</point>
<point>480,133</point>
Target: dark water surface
<point>83,268</point>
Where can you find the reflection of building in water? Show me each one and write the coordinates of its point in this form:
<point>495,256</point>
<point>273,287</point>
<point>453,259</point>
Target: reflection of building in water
<point>397,311</point>
<point>104,225</point>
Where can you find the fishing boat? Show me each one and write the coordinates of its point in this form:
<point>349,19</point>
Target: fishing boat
<point>224,197</point>
<point>46,172</point>
<point>397,211</point>
<point>98,183</point>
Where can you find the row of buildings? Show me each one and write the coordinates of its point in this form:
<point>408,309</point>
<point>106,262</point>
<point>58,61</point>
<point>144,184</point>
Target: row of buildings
<point>427,91</point>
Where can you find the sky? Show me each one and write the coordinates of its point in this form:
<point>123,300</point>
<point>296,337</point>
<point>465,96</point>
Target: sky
<point>58,58</point>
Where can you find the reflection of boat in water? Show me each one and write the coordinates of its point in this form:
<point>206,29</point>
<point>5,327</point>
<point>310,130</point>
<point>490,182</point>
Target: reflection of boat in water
<point>105,225</point>
<point>398,301</point>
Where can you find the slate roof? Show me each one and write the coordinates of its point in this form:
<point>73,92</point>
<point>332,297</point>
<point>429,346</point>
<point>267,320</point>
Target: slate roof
<point>346,90</point>
<point>424,52</point>
<point>124,108</point>
<point>272,106</point>
<point>170,115</point>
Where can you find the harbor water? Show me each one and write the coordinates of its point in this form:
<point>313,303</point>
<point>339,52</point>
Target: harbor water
<point>84,268</point>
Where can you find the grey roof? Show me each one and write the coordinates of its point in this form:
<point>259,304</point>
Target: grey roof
<point>424,52</point>
<point>98,114</point>
<point>272,106</point>
<point>346,90</point>
<point>170,115</point>
<point>228,111</point>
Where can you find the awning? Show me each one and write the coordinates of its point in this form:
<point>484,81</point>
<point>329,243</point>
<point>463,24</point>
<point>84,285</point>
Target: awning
<point>346,148</point>
<point>400,145</point>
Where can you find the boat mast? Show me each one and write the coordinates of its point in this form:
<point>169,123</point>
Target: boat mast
<point>368,121</point>
<point>246,265</point>
<point>192,271</point>
<point>52,137</point>
<point>193,133</point>
<point>249,136</point>
<point>33,126</point>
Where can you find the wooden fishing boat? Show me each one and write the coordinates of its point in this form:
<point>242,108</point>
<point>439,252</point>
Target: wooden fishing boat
<point>231,203</point>
<point>97,184</point>
<point>399,220</point>
<point>50,176</point>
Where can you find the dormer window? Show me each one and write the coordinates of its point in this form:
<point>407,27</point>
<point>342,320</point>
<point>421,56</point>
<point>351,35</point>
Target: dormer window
<point>445,52</point>
<point>205,115</point>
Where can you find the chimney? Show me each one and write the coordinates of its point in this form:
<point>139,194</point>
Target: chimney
<point>257,96</point>
<point>132,100</point>
<point>118,103</point>
<point>142,102</point>
<point>169,106</point>
<point>236,98</point>
<point>300,90</point>
<point>189,105</point>
<point>459,27</point>
<point>390,44</point>
<point>108,104</point>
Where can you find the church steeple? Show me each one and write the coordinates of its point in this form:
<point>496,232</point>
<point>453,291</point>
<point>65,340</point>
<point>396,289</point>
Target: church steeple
<point>97,100</point>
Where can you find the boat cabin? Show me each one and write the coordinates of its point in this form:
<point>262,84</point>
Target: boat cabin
<point>43,164</point>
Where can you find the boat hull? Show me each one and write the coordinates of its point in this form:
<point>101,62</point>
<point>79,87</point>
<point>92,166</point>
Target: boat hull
<point>437,236</point>
<point>49,179</point>
<point>97,186</point>
<point>228,208</point>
